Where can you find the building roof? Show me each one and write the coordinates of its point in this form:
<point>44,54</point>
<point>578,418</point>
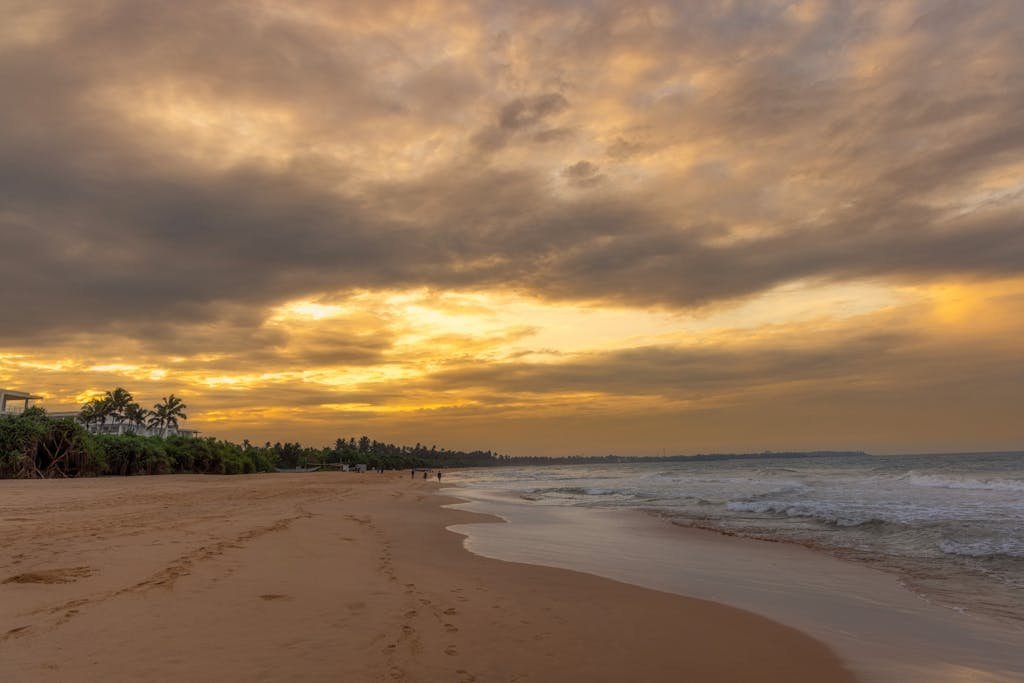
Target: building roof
<point>20,395</point>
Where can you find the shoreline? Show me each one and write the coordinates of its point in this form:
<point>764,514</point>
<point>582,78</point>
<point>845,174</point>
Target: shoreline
<point>333,575</point>
<point>885,632</point>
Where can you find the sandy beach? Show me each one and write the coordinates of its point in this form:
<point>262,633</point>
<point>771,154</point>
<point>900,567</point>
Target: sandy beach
<point>332,576</point>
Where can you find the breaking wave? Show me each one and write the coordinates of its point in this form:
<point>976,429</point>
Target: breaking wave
<point>818,512</point>
<point>983,549</point>
<point>943,482</point>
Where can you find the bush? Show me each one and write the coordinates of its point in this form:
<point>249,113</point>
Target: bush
<point>33,444</point>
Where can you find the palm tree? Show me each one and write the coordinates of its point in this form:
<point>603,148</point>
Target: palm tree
<point>97,410</point>
<point>166,414</point>
<point>89,413</point>
<point>135,414</point>
<point>119,400</point>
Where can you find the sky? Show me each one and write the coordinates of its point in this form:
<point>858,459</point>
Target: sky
<point>540,228</point>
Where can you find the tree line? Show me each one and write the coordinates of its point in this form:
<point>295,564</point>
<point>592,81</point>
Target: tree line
<point>375,454</point>
<point>119,406</point>
<point>34,444</point>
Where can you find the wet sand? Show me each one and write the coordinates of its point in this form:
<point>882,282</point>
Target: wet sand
<point>882,631</point>
<point>332,576</point>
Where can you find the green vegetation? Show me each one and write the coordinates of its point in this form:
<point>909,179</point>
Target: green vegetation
<point>120,407</point>
<point>376,454</point>
<point>33,444</point>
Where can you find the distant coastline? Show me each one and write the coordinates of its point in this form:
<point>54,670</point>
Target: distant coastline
<point>699,457</point>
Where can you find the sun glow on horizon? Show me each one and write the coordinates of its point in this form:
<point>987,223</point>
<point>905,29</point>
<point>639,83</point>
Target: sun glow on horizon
<point>623,225</point>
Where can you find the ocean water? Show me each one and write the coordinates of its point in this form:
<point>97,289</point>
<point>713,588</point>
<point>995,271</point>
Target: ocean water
<point>951,527</point>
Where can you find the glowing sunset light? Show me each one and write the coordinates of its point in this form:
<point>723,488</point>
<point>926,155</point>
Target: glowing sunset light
<point>536,228</point>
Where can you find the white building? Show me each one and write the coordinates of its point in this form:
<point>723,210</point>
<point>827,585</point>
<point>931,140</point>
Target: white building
<point>112,426</point>
<point>17,402</point>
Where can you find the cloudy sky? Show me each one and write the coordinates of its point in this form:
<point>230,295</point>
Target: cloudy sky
<point>537,227</point>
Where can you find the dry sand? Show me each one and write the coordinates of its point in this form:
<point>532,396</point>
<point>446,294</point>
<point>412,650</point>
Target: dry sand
<point>332,577</point>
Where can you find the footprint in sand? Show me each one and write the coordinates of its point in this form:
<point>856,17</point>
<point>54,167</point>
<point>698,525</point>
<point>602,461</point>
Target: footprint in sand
<point>68,575</point>
<point>450,650</point>
<point>451,628</point>
<point>275,596</point>
<point>411,613</point>
<point>450,611</point>
<point>15,631</point>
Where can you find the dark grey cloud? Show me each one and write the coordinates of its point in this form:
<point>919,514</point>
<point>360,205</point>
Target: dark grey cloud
<point>529,111</point>
<point>523,114</point>
<point>583,174</point>
<point>103,229</point>
<point>850,364</point>
<point>674,372</point>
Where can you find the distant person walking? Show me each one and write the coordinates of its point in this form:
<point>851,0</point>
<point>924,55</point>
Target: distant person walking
<point>439,476</point>
<point>424,474</point>
<point>412,474</point>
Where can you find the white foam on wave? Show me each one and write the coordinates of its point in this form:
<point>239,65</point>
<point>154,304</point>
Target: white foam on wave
<point>823,512</point>
<point>579,491</point>
<point>945,482</point>
<point>985,548</point>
